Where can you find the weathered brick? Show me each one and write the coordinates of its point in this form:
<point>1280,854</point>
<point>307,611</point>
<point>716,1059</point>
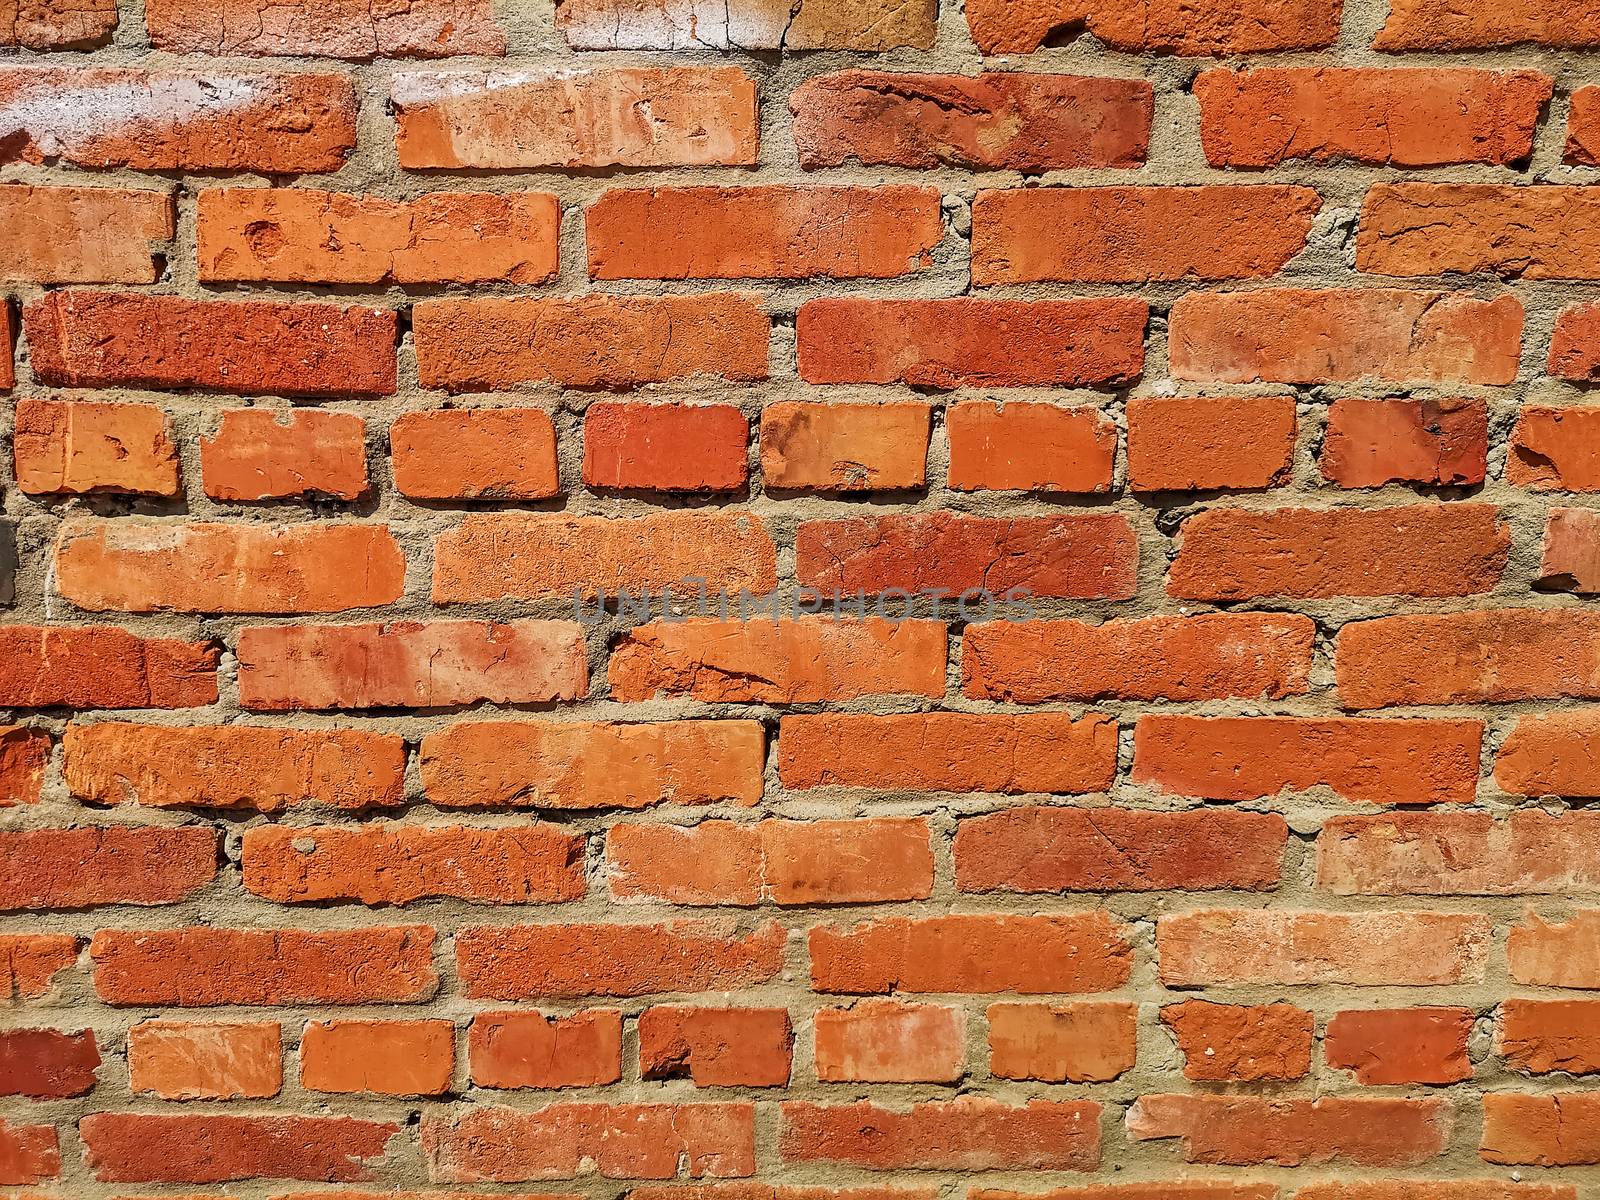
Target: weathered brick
<point>1575,343</point>
<point>57,24</point>
<point>24,755</point>
<point>410,664</point>
<point>1007,120</point>
<point>1245,1130</point>
<point>1138,234</point>
<point>968,341</point>
<point>475,454</point>
<point>527,1050</point>
<point>845,447</point>
<point>716,1047</point>
<point>1214,27</point>
<point>115,339</point>
<point>1290,335</point>
<point>47,1064</point>
<point>95,865</point>
<point>385,1058</point>
<point>103,667</point>
<point>1583,128</point>
<point>1551,754</point>
<point>1556,954</point>
<point>665,447</point>
<point>885,1041</point>
<point>1570,561</point>
<point>1424,118</point>
<point>1484,24</point>
<point>1087,1041</point>
<point>79,447</point>
<point>202,966</point>
<point>1109,849</point>
<point>1428,1189</point>
<point>949,752</point>
<point>1161,1189</point>
<point>1373,442</point>
<point>29,965</point>
<point>1241,1043</point>
<point>575,118</point>
<point>1210,442</point>
<point>1245,947</point>
<point>83,234</point>
<point>762,232</point>
<point>744,25</point>
<point>259,454</point>
<point>969,1134</point>
<point>398,864</point>
<point>1084,952</point>
<point>1401,1045</point>
<point>1082,556</point>
<point>593,765</point>
<point>177,121</point>
<point>1555,450</point>
<point>1030,447</point>
<point>187,1148</point>
<point>1557,1129</point>
<point>492,343</point>
<point>28,1153</point>
<point>1469,229</point>
<point>180,1060</point>
<point>526,961</point>
<point>233,766</point>
<point>341,29</point>
<point>1541,1036</point>
<point>1413,550</point>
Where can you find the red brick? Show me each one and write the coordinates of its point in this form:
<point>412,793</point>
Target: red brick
<point>95,865</point>
<point>1557,1129</point>
<point>250,347</point>
<point>768,1191</point>
<point>576,118</point>
<point>972,342</point>
<point>1551,754</point>
<point>1571,558</point>
<point>1469,658</point>
<point>1161,1189</point>
<point>201,966</point>
<point>1483,24</point>
<point>525,961</point>
<point>1542,1036</point>
<point>1425,118</point>
<point>1373,442</point>
<point>148,566</point>
<point>502,556</point>
<point>1239,1043</point>
<point>1246,1130</point>
<point>1083,1042</point>
<point>47,1064</point>
<point>1084,952</point>
<point>233,767</point>
<point>83,234</point>
<point>716,1047</point>
<point>1412,550</point>
<point>1401,1045</point>
<point>24,756</point>
<point>399,864</point>
<point>342,29</point>
<point>130,1148</point>
<point>665,447</point>
<point>8,377</point>
<point>1216,27</point>
<point>475,454</point>
<point>29,964</point>
<point>950,752</point>
<point>745,25</point>
<point>104,667</point>
<point>410,664</point>
<point>1424,1189</point>
<point>1242,947</point>
<point>1555,450</point>
<point>1007,120</point>
<point>845,447</point>
<point>178,1060</point>
<point>1251,758</point>
<point>1111,849</point>
<point>1434,229</point>
<point>28,1153</point>
<point>789,661</point>
<point>527,1050</point>
<point>762,232</point>
<point>968,1134</point>
<point>80,447</point>
<point>613,1141</point>
<point>1138,234</point>
<point>58,24</point>
<point>1575,343</point>
<point>772,862</point>
<point>1290,335</point>
<point>1556,954</point>
<point>492,343</point>
<point>178,121</point>
<point>1442,854</point>
<point>884,1041</point>
<point>385,1058</point>
<point>1583,128</point>
<point>1030,447</point>
<point>259,454</point>
<point>1210,442</point>
<point>1209,656</point>
<point>1083,556</point>
<point>570,765</point>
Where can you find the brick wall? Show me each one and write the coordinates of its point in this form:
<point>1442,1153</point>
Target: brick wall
<point>1231,846</point>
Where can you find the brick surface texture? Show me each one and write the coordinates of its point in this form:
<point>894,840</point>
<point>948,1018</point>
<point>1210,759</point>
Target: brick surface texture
<point>799,600</point>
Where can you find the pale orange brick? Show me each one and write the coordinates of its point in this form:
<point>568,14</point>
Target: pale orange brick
<point>1030,447</point>
<point>180,1060</point>
<point>845,447</point>
<point>81,446</point>
<point>258,454</point>
<point>1087,1041</point>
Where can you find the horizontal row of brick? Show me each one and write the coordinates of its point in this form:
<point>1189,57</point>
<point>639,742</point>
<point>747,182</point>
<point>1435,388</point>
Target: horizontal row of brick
<point>536,118</point>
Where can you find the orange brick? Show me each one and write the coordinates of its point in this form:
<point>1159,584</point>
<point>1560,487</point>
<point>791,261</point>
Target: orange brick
<point>475,454</point>
<point>59,24</point>
<point>30,963</point>
<point>1555,450</point>
<point>845,447</point>
<point>1550,754</point>
<point>385,1058</point>
<point>1214,27</point>
<point>665,447</point>
<point>1583,128</point>
<point>1575,343</point>
<point>1210,442</point>
<point>82,234</point>
<point>528,1050</point>
<point>194,1148</point>
<point>1245,1130</point>
<point>24,755</point>
<point>885,1041</point>
<point>95,865</point>
<point>716,1047</point>
<point>341,29</point>
<point>1556,953</point>
<point>1401,1045</point>
<point>1030,447</point>
<point>744,25</point>
<point>257,454</point>
<point>1227,1043</point>
<point>1480,24</point>
<point>975,1133</point>
<point>180,1060</point>
<point>1570,561</point>
<point>1556,1129</point>
<point>1373,442</point>
<point>1083,1042</point>
<point>80,447</point>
